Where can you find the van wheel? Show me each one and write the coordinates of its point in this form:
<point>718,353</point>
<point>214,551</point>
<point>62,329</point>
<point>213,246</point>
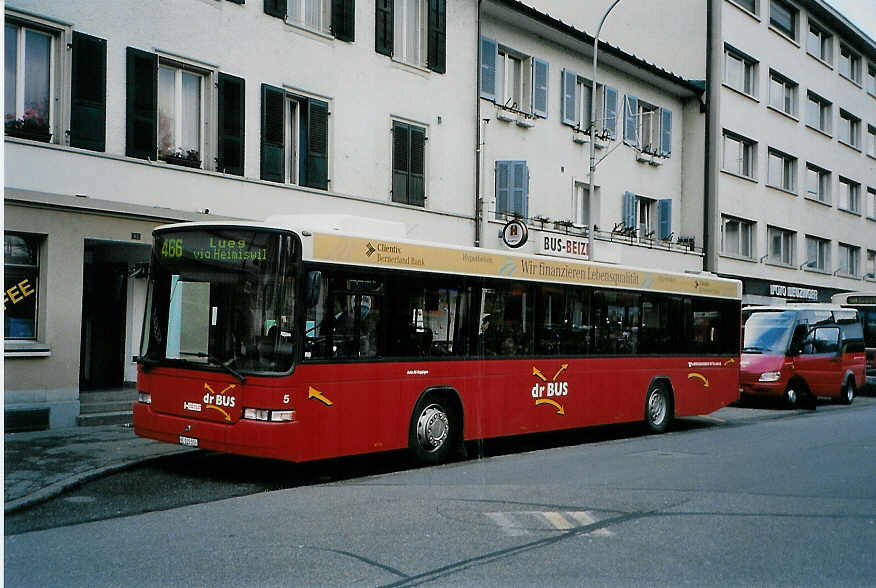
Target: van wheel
<point>791,397</point>
<point>658,408</point>
<point>848,392</point>
<point>432,432</point>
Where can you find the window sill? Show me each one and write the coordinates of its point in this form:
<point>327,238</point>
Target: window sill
<point>826,64</point>
<point>819,131</point>
<point>740,176</point>
<point>849,145</point>
<point>815,270</point>
<point>849,211</point>
<point>871,218</point>
<point>738,257</point>
<point>785,36</point>
<point>783,113</point>
<point>780,265</point>
<point>26,349</point>
<point>826,203</point>
<point>851,80</point>
<point>412,67</point>
<point>745,10</point>
<point>308,31</point>
<point>848,276</point>
<point>741,92</point>
<point>780,189</point>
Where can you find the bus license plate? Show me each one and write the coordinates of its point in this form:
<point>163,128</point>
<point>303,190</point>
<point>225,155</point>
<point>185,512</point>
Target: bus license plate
<point>188,441</point>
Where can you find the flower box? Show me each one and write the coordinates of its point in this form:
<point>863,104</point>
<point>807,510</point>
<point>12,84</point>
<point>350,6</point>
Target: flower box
<point>183,161</point>
<point>33,133</point>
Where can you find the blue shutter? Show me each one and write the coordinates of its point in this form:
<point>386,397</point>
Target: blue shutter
<point>631,107</point>
<point>570,99</point>
<point>610,111</point>
<point>540,88</point>
<point>629,210</point>
<point>664,215</point>
<point>489,52</point>
<point>520,189</point>
<point>665,132</point>
<point>503,187</point>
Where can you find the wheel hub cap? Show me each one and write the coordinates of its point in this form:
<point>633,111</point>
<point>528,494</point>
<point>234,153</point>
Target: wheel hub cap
<point>432,428</point>
<point>657,408</point>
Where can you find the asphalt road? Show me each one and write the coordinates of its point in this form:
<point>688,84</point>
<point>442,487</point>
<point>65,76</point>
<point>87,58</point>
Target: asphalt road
<point>785,498</point>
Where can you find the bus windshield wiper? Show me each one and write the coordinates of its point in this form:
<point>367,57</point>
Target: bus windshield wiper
<point>226,365</point>
<point>752,349</point>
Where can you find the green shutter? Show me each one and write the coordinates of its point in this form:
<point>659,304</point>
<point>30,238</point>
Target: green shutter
<point>401,150</point>
<point>273,126</point>
<point>383,27</point>
<point>664,216</point>
<point>488,68</point>
<point>540,77</point>
<point>665,132</point>
<point>631,121</point>
<point>88,93</point>
<point>436,53</point>
<point>570,98</point>
<point>141,137</point>
<point>344,20</point>
<point>231,125</point>
<point>316,145</point>
<point>417,179</point>
<point>503,187</point>
<point>276,8</point>
<point>629,210</point>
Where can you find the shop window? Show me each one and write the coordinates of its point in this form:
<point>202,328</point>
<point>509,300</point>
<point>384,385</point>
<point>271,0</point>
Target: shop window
<point>21,285</point>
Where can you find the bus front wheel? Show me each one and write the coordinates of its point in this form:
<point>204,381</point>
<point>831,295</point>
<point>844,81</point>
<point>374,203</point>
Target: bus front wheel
<point>432,430</point>
<point>658,408</point>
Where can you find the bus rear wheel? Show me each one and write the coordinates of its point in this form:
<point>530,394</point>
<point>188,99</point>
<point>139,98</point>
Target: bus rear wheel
<point>658,408</point>
<point>433,431</point>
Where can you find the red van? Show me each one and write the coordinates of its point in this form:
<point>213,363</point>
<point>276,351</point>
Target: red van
<point>801,352</point>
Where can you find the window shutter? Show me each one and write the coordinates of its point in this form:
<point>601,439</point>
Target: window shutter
<point>489,53</point>
<point>570,98</point>
<point>383,30</point>
<point>610,111</point>
<point>273,125</point>
<point>276,8</point>
<point>629,210</point>
<point>519,188</point>
<point>631,107</point>
<point>141,136</point>
<point>88,93</point>
<point>664,216</point>
<point>665,132</point>
<point>316,174</point>
<point>417,180</point>
<point>400,161</point>
<point>344,19</point>
<point>540,87</point>
<point>503,187</point>
<point>231,125</point>
<point>436,54</point>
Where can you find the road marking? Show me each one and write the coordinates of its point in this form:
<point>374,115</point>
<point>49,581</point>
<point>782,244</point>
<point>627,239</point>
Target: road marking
<point>517,523</point>
<point>506,524</point>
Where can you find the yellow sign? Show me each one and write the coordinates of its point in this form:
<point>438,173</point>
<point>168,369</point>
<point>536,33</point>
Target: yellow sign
<point>391,254</point>
<point>553,403</point>
<point>701,377</point>
<point>314,393</point>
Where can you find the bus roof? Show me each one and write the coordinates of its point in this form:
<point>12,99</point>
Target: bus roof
<point>347,240</point>
<point>856,299</point>
<point>840,314</point>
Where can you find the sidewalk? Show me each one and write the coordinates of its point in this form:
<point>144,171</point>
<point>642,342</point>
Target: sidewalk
<point>40,465</point>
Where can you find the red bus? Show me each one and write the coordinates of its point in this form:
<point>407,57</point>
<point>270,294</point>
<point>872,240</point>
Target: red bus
<point>290,340</point>
<point>865,304</point>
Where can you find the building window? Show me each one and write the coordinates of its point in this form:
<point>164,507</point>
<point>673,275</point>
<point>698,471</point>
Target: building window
<point>645,217</point>
<point>29,82</point>
<point>410,31</point>
<point>871,79</point>
<point>870,268</point>
<point>817,253</point>
<point>740,71</point>
<point>180,113</point>
<point>783,93</point>
<point>819,43</point>
<point>749,5</point>
<point>408,163</point>
<point>648,128</point>
<point>737,237</point>
<point>512,189</point>
<point>21,266</point>
<point>871,203</point>
<point>581,204</point>
<point>740,155</point>
<point>849,195</point>
<point>310,14</point>
<point>783,17</point>
<point>295,138</point>
<point>817,183</point>
<point>782,171</point>
<point>850,260</point>
<point>323,16</point>
<point>512,79</point>
<point>850,129</point>
<point>781,246</point>
<point>413,32</point>
<point>818,112</point>
<point>577,105</point>
<point>871,140</point>
<point>850,64</point>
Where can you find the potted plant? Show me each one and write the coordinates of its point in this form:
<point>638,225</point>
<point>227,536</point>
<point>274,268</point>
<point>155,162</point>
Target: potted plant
<point>183,157</point>
<point>31,126</point>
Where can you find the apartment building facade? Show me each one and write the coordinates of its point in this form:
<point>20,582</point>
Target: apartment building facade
<point>792,168</point>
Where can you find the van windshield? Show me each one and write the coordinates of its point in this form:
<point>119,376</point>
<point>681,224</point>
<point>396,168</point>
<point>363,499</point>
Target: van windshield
<point>768,332</point>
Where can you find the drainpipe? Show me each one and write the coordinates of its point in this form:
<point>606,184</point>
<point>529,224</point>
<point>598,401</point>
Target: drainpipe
<point>708,192</point>
<point>478,203</point>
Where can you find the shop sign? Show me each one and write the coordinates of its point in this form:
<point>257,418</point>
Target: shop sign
<point>563,246</point>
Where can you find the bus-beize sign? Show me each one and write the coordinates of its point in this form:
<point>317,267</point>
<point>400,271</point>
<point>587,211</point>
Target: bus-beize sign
<point>563,246</point>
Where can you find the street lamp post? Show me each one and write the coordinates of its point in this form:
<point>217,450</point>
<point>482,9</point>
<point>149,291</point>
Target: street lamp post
<point>593,120</point>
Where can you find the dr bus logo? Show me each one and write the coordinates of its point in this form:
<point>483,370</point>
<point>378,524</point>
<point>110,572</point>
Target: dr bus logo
<point>551,389</point>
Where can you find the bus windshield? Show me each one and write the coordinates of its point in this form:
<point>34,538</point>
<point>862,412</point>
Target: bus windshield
<point>221,297</point>
<point>768,332</point>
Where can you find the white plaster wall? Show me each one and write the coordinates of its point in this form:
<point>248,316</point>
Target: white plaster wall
<point>753,118</point>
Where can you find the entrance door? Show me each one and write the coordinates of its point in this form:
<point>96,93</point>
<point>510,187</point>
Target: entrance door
<point>104,303</point>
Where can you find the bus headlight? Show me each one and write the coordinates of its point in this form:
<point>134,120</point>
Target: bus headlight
<point>274,416</point>
<point>770,377</point>
<point>144,397</point>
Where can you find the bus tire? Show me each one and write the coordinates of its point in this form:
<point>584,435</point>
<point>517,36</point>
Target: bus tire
<point>658,408</point>
<point>433,430</point>
<point>848,392</point>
